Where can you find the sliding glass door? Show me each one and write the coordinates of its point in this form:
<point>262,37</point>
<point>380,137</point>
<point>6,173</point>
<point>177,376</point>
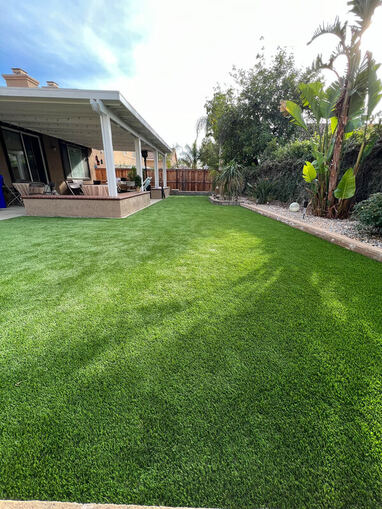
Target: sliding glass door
<point>25,156</point>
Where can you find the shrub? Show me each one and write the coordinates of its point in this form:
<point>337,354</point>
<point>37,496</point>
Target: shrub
<point>138,181</point>
<point>263,190</point>
<point>231,180</point>
<point>369,212</point>
<point>132,173</point>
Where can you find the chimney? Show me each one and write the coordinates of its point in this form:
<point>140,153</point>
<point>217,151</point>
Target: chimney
<point>20,78</point>
<point>51,84</point>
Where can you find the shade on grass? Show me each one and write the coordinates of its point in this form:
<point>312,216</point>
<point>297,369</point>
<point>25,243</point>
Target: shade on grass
<point>188,355</point>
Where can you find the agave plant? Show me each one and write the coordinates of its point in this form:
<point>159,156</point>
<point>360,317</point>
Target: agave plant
<point>230,180</point>
<point>347,105</point>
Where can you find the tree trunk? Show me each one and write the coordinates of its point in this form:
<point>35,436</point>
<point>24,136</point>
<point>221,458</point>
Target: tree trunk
<point>220,157</point>
<point>336,159</point>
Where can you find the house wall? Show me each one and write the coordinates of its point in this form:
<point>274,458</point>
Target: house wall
<point>120,159</point>
<point>4,167</point>
<point>126,159</point>
<point>53,160</point>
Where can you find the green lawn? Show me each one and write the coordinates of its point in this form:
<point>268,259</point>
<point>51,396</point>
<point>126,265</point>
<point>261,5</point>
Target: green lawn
<point>188,355</point>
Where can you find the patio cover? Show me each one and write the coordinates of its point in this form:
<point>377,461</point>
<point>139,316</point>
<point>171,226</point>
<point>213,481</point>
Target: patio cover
<point>68,114</point>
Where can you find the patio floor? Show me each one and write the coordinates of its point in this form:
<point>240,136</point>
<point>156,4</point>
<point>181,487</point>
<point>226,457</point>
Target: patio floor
<point>11,212</point>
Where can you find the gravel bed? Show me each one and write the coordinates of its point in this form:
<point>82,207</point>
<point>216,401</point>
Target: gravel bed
<point>346,227</point>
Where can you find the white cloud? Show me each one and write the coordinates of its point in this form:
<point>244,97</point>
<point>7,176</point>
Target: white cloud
<point>190,46</point>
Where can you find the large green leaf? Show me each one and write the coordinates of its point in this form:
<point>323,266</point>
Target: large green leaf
<point>296,113</point>
<point>374,87</point>
<point>309,172</point>
<point>333,124</point>
<point>329,100</point>
<point>346,186</point>
<point>311,94</point>
<point>353,124</point>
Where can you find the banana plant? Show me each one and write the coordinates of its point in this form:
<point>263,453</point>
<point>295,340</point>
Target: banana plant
<point>321,105</point>
<point>351,98</point>
<point>369,87</point>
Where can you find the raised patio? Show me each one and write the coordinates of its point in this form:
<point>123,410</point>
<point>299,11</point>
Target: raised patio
<point>90,119</point>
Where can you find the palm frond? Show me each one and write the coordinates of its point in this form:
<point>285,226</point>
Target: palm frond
<point>201,125</point>
<point>319,64</point>
<point>363,11</point>
<point>336,28</point>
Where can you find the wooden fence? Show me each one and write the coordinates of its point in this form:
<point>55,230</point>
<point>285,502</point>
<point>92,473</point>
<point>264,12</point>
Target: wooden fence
<point>177,178</point>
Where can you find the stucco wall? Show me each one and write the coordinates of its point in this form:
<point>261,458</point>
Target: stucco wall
<point>54,162</point>
<point>77,206</point>
<point>4,167</point>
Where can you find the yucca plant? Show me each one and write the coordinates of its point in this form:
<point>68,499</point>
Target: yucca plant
<point>230,180</point>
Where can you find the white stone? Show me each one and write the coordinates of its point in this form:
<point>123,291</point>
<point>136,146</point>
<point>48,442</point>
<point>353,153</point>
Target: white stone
<point>294,207</point>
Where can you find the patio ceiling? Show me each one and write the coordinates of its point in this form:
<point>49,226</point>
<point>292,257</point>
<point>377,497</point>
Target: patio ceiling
<point>68,114</point>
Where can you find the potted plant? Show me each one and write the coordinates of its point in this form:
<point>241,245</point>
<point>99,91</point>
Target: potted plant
<point>138,182</point>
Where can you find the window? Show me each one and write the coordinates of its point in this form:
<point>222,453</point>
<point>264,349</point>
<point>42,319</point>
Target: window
<point>75,160</point>
<point>25,156</point>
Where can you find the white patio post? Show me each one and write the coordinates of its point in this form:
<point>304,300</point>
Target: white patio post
<point>138,159</point>
<point>107,141</point>
<point>156,170</point>
<point>164,170</point>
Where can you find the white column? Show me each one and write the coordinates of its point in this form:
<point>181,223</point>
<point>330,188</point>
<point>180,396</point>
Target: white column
<point>109,155</point>
<point>138,158</point>
<point>156,169</point>
<point>164,170</point>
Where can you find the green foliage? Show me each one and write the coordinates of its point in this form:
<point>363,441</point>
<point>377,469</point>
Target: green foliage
<point>132,173</point>
<point>346,186</point>
<point>222,360</point>
<point>295,112</point>
<point>263,190</point>
<point>189,157</point>
<point>359,93</point>
<point>138,181</point>
<point>369,212</point>
<point>243,120</point>
<point>209,153</point>
<point>309,172</point>
<point>230,179</point>
<point>282,166</point>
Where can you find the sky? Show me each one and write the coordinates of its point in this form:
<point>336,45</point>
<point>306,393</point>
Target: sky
<point>165,56</point>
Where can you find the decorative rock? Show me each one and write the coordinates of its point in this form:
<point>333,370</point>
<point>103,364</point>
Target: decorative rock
<point>294,207</point>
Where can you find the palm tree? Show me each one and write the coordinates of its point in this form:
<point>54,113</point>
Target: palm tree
<point>354,82</point>
<point>190,156</point>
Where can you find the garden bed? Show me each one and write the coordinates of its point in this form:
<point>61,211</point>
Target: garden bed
<point>216,200</point>
<point>347,227</point>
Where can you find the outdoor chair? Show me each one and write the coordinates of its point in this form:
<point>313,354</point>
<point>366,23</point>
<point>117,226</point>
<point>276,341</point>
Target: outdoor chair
<point>147,184</point>
<point>18,190</point>
<point>75,187</point>
<point>38,188</point>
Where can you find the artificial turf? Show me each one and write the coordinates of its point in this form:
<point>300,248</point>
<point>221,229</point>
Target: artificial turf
<point>188,355</point>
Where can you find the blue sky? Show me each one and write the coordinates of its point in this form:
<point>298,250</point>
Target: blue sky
<point>68,41</point>
<point>165,56</point>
